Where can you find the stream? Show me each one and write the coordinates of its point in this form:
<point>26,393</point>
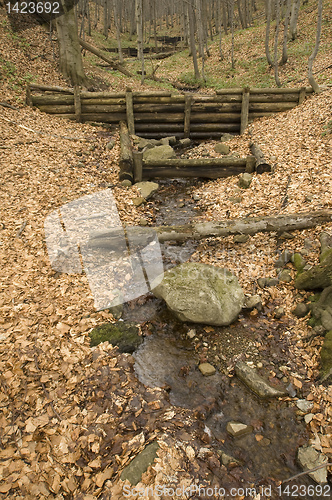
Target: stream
<point>171,352</point>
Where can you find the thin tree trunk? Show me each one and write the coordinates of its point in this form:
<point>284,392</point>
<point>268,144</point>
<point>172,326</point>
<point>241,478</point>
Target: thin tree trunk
<point>311,78</point>
<point>139,24</point>
<point>294,18</point>
<point>276,75</point>
<point>267,32</point>
<point>200,29</point>
<point>192,39</point>
<point>232,27</point>
<point>117,28</point>
<point>284,57</point>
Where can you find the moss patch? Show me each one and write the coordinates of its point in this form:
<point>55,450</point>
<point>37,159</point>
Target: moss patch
<point>326,356</point>
<point>123,335</point>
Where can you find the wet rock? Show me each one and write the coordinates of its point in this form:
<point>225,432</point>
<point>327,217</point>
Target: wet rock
<point>326,357</point>
<point>255,382</point>
<point>116,311</point>
<point>291,390</point>
<point>196,197</point>
<point>237,429</point>
<point>222,149</point>
<point>285,276</point>
<point>147,189</point>
<point>159,153</point>
<point>123,335</point>
<point>226,137</point>
<point>185,143</point>
<point>241,238</point>
<point>304,405</point>
<point>143,143</point>
<point>134,471</point>
<point>253,302</point>
<point>245,180</point>
<point>206,369</point>
<point>301,310</point>
<point>201,293</point>
<point>298,261</point>
<point>279,312</point>
<point>309,458</point>
<point>139,200</point>
<point>228,460</point>
<point>191,334</point>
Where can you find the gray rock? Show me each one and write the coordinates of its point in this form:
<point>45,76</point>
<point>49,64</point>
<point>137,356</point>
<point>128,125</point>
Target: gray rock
<point>222,149</point>
<point>308,243</point>
<point>309,458</point>
<point>325,244</point>
<point>201,293</point>
<point>284,258</point>
<point>304,405</point>
<point>237,429</point>
<point>147,188</point>
<point>245,180</point>
<point>279,312</point>
<point>267,282</point>
<point>196,197</point>
<point>164,141</point>
<point>241,238</point>
<point>255,382</point>
<point>252,302</point>
<point>206,369</point>
<point>143,222</point>
<point>228,460</point>
<point>172,140</point>
<point>159,153</point>
<point>110,145</point>
<point>226,137</point>
<point>185,143</point>
<point>134,471</point>
<point>138,201</point>
<point>126,183</point>
<point>301,310</point>
<point>298,261</point>
<point>326,357</point>
<point>285,276</point>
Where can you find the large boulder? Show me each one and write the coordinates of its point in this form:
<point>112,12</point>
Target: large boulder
<point>159,153</point>
<point>201,293</point>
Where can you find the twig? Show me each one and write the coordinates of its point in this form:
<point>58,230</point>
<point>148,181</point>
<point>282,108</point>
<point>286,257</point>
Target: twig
<point>23,226</point>
<point>6,105</point>
<point>307,472</point>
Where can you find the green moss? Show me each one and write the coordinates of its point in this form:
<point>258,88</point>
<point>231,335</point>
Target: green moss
<point>124,335</point>
<point>298,261</point>
<point>326,355</point>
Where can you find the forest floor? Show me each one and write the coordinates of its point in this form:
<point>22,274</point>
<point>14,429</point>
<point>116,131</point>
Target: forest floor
<point>72,417</point>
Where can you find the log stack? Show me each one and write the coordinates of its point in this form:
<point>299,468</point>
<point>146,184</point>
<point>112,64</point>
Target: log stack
<point>158,114</point>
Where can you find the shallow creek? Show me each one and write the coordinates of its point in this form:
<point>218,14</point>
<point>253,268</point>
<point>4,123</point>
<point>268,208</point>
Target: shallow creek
<point>169,358</point>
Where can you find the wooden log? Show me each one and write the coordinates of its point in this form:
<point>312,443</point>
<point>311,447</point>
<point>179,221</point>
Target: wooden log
<point>250,164</point>
<point>227,227</point>
<point>158,108</point>
<point>126,162</point>
<point>104,117</point>
<point>164,128</point>
<point>215,127</point>
<point>48,88</point>
<point>28,98</point>
<point>50,100</point>
<point>245,109</point>
<point>77,103</point>
<point>175,99</point>
<point>102,56</point>
<point>159,117</point>
<point>271,107</point>
<point>292,97</point>
<point>193,172</point>
<point>148,94</point>
<point>225,162</point>
<point>138,166</point>
<point>103,95</point>
<point>57,109</point>
<point>104,102</point>
<point>302,95</point>
<point>187,113</point>
<point>99,108</point>
<point>264,90</point>
<point>215,117</point>
<point>130,112</point>
<point>261,164</point>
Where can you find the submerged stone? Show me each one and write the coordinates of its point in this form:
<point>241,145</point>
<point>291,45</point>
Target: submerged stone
<point>134,471</point>
<point>309,458</point>
<point>255,382</point>
<point>237,429</point>
<point>123,335</point>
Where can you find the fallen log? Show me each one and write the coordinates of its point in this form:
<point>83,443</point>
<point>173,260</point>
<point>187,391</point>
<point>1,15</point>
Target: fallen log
<point>48,88</point>
<point>261,164</point>
<point>126,162</point>
<point>248,225</point>
<point>102,56</point>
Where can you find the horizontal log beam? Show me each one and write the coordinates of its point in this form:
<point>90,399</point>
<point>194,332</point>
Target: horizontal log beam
<point>193,172</point>
<point>228,161</point>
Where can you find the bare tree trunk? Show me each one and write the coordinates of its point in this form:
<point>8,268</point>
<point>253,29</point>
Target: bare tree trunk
<point>232,27</point>
<point>199,23</point>
<point>117,28</point>
<point>71,64</point>
<point>267,32</point>
<point>139,24</point>
<point>192,38</point>
<point>224,16</point>
<point>294,18</point>
<point>284,57</point>
<point>311,78</point>
<point>276,76</point>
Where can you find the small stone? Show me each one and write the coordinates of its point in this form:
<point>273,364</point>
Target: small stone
<point>80,164</point>
<point>298,261</point>
<point>241,238</point>
<point>191,334</point>
<point>255,382</point>
<point>237,429</point>
<point>110,145</point>
<point>222,149</point>
<point>228,460</point>
<point>304,405</point>
<point>309,198</point>
<point>285,276</point>
<point>143,222</point>
<point>185,143</point>
<point>309,458</point>
<point>286,236</point>
<point>138,201</point>
<point>206,369</point>
<point>226,137</point>
<point>308,243</point>
<point>164,141</point>
<point>181,205</point>
<point>245,180</point>
<point>279,312</point>
<point>264,442</point>
<point>147,188</point>
<point>259,364</point>
<point>252,302</point>
<point>136,468</point>
<point>261,282</point>
<point>196,197</point>
<point>308,417</point>
<point>284,258</point>
<point>126,183</point>
<point>301,310</point>
<point>235,199</point>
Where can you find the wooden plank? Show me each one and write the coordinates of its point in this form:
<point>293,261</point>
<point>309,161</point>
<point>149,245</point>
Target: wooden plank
<point>187,113</point>
<point>138,166</point>
<point>215,117</point>
<point>245,109</point>
<point>77,103</point>
<point>49,100</point>
<point>159,117</point>
<point>130,112</point>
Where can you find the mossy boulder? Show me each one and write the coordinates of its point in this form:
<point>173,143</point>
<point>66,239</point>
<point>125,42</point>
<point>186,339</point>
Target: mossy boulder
<point>298,261</point>
<point>326,357</point>
<point>319,276</point>
<point>322,309</point>
<point>123,335</point>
